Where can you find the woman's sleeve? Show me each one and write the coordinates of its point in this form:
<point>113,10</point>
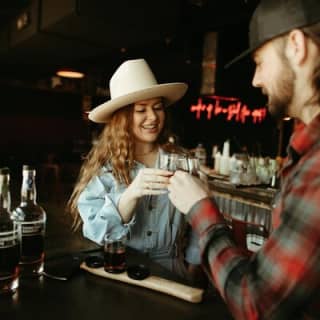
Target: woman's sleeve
<point>98,208</point>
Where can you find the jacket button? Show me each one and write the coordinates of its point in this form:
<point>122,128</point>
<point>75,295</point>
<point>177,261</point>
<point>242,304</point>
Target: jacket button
<point>149,233</point>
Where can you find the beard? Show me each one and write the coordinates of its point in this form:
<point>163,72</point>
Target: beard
<point>283,91</point>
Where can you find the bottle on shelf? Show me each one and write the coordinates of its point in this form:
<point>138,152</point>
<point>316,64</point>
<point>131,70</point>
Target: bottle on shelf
<point>9,239</point>
<point>201,154</point>
<point>215,150</point>
<point>224,159</point>
<point>31,220</point>
<point>217,162</point>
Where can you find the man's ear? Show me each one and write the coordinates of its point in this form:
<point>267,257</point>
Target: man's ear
<point>297,47</point>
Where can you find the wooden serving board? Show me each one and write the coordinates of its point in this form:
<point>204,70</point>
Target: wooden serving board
<point>169,287</point>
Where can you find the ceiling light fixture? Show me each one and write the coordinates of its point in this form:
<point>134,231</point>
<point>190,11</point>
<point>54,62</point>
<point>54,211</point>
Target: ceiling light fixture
<point>70,73</point>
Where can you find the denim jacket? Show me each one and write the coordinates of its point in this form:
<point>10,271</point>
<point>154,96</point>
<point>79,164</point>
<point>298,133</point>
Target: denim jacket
<point>154,229</point>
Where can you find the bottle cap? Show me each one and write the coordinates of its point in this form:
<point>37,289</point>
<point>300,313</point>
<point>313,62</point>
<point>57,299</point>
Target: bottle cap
<point>4,170</point>
<point>27,167</point>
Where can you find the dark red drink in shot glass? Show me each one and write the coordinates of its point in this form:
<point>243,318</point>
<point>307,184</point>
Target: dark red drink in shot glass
<point>115,254</point>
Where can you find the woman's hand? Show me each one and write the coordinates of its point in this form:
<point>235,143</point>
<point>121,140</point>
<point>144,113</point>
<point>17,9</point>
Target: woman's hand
<point>149,181</point>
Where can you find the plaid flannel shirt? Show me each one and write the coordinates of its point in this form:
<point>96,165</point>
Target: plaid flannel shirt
<point>281,280</point>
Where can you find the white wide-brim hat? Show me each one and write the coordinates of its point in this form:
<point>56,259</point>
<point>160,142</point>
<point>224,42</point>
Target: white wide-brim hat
<point>134,81</point>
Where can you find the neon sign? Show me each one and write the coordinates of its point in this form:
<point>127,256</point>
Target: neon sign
<point>231,108</point>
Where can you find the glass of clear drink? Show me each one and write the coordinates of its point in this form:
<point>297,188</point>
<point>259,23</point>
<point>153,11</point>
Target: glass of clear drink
<point>174,161</point>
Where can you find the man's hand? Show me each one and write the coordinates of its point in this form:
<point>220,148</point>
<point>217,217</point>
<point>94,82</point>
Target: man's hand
<point>185,190</point>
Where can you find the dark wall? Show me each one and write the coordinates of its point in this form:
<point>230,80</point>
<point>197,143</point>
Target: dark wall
<point>35,123</point>
<point>260,139</point>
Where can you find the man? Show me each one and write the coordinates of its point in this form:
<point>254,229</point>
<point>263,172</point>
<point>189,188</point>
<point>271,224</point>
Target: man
<point>282,280</point>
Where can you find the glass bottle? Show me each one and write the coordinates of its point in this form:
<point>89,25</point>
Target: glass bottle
<point>201,154</point>
<point>9,239</point>
<point>31,219</point>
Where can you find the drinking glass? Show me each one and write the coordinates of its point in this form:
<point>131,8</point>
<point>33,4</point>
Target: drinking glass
<point>258,227</point>
<point>114,253</point>
<point>194,166</point>
<point>182,163</point>
<point>174,161</point>
<point>168,161</point>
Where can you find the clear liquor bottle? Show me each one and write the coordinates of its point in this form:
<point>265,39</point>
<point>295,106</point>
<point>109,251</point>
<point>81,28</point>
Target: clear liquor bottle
<point>9,239</point>
<point>201,154</point>
<point>31,219</point>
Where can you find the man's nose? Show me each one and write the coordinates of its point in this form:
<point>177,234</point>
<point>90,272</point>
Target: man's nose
<point>256,82</point>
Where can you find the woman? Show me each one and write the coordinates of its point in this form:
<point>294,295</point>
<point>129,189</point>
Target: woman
<point>121,189</point>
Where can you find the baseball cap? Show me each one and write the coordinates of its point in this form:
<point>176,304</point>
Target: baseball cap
<point>273,18</point>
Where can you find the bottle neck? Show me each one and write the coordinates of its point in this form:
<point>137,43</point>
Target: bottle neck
<point>5,198</point>
<point>28,188</point>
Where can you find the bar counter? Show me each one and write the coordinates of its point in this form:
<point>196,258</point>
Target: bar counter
<point>238,198</point>
<point>247,208</point>
<point>86,296</point>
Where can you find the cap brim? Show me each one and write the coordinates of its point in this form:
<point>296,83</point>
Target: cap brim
<point>171,92</point>
<point>238,58</point>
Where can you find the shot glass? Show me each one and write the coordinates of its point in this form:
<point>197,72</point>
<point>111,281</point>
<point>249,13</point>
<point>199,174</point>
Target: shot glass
<point>115,254</point>
<point>194,166</point>
<point>173,162</point>
<point>168,161</point>
<point>182,163</point>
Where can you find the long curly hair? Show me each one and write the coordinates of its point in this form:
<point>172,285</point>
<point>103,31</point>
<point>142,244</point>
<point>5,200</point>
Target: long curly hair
<point>115,146</point>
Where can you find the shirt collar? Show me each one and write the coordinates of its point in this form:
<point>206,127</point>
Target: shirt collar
<point>303,140</point>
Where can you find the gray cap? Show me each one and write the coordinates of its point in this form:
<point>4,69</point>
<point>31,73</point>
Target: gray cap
<point>273,18</point>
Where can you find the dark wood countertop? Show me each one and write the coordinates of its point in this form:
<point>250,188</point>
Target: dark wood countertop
<point>85,296</point>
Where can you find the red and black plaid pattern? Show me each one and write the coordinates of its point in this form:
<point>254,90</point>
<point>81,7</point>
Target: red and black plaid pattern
<point>281,280</point>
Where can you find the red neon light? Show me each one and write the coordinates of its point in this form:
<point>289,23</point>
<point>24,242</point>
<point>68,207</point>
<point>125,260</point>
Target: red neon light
<point>222,98</point>
<point>234,110</point>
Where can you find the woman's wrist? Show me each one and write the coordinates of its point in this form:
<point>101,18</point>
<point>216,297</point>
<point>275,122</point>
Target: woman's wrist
<point>127,204</point>
<point>131,193</point>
